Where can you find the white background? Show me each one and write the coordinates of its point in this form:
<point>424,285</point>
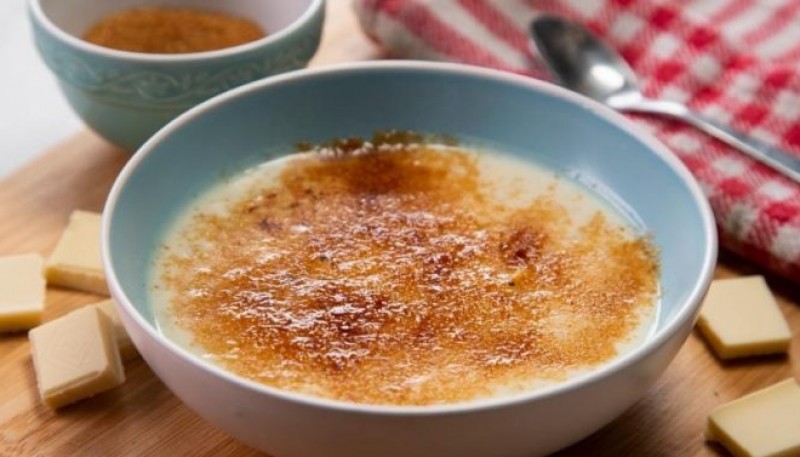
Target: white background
<point>33,114</point>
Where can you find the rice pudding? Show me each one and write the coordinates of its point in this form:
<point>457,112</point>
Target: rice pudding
<point>404,273</point>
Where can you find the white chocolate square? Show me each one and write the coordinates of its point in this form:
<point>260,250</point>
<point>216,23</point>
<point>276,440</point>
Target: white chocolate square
<point>765,423</point>
<point>126,348</point>
<point>22,290</point>
<point>75,356</point>
<point>75,262</point>
<point>740,318</point>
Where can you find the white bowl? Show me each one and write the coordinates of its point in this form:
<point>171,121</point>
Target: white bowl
<point>531,119</point>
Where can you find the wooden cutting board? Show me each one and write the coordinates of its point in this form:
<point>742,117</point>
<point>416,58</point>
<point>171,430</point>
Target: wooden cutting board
<point>143,417</point>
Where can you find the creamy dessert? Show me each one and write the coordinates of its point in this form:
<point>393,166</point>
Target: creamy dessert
<point>404,273</point>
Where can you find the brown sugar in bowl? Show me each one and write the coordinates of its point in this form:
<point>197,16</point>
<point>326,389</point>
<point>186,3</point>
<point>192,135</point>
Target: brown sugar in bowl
<point>170,30</point>
<point>127,96</point>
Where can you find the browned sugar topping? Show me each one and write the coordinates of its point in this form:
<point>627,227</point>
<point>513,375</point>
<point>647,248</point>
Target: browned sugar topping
<point>389,277</point>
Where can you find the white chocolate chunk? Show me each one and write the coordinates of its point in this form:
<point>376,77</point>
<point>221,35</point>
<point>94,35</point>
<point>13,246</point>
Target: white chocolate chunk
<point>22,290</point>
<point>765,423</point>
<point>740,318</point>
<point>75,356</point>
<point>75,262</point>
<point>126,348</point>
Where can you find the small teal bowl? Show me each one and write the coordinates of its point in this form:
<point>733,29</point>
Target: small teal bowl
<point>532,120</point>
<point>128,96</point>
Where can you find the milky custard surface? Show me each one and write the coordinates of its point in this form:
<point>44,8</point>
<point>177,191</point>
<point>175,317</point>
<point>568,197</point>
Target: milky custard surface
<point>404,274</point>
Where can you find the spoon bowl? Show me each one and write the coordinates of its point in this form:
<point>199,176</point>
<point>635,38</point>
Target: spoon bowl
<point>582,62</point>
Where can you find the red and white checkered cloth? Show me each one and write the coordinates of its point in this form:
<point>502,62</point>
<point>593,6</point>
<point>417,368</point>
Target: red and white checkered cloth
<point>737,61</point>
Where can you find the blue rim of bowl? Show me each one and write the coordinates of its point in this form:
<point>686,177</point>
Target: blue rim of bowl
<point>686,313</point>
<point>39,15</point>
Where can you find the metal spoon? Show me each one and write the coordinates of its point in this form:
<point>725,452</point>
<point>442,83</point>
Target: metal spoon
<point>588,66</point>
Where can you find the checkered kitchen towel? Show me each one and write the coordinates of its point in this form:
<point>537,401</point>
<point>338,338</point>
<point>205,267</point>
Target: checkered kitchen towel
<point>737,61</point>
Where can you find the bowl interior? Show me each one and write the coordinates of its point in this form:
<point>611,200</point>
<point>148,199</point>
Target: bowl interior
<point>531,120</point>
<point>76,16</point>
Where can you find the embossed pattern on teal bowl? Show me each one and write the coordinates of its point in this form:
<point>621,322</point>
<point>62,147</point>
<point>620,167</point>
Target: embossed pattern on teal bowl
<point>127,96</point>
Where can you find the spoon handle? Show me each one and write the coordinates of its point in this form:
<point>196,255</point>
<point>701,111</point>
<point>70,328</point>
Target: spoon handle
<point>780,161</point>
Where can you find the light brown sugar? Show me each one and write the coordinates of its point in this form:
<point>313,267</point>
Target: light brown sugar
<point>163,30</point>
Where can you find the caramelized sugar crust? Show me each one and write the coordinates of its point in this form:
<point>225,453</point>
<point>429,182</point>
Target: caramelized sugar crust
<point>384,274</point>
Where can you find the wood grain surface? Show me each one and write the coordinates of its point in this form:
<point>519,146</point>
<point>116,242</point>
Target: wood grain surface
<point>143,417</point>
